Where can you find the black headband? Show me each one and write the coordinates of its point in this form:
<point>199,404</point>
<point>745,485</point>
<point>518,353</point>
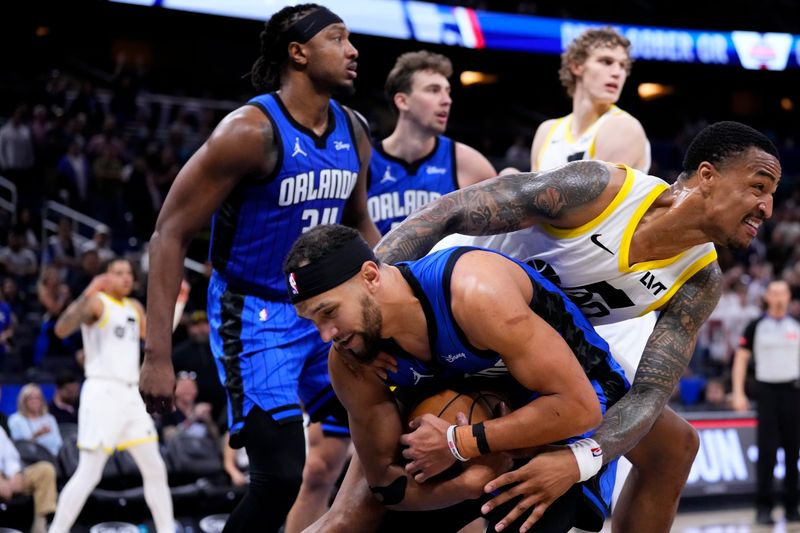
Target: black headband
<point>329,271</point>
<point>307,27</point>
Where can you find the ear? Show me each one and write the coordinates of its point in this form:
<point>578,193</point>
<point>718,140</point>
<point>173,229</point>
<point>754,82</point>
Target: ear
<point>400,101</point>
<point>707,175</point>
<point>371,274</point>
<point>297,53</point>
<point>577,69</point>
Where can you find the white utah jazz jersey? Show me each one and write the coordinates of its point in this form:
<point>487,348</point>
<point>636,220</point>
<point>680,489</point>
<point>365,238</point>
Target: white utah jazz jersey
<point>111,345</point>
<point>590,263</point>
<point>560,147</point>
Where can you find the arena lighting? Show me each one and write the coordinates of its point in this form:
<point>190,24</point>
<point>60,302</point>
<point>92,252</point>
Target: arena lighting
<point>473,28</point>
<point>471,77</point>
<point>787,104</point>
<point>651,91</point>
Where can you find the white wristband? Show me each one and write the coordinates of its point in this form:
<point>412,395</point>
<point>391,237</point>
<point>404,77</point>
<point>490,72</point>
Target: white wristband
<point>451,443</point>
<point>589,456</point>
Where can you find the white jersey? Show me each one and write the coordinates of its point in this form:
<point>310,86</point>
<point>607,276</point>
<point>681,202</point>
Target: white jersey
<point>590,263</point>
<point>111,345</point>
<point>560,147</point>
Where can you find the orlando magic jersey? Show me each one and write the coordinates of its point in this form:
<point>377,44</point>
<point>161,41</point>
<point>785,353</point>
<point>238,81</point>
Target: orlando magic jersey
<point>454,358</point>
<point>398,188</point>
<point>255,227</point>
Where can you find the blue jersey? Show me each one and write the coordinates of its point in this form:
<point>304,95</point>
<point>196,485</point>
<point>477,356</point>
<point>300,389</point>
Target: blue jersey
<point>255,227</point>
<point>455,359</point>
<point>397,188</point>
<point>456,362</point>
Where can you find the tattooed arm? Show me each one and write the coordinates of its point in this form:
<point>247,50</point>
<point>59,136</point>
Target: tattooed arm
<point>550,473</point>
<point>499,205</point>
<point>664,359</point>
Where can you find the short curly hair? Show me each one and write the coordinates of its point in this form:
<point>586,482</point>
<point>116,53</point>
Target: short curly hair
<point>722,142</point>
<point>580,48</point>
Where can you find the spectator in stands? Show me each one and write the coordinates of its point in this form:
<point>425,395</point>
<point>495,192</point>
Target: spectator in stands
<point>62,248</point>
<point>38,479</point>
<point>8,323</point>
<point>54,296</point>
<point>64,405</point>
<point>774,341</point>
<point>88,268</point>
<point>33,422</point>
<point>194,355</point>
<point>235,462</point>
<point>13,297</point>
<point>17,160</point>
<point>16,259</point>
<point>189,416</point>
<point>73,175</point>
<point>100,243</point>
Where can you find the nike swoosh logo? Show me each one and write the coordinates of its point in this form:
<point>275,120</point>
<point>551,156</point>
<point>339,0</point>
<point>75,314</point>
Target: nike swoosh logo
<point>594,239</point>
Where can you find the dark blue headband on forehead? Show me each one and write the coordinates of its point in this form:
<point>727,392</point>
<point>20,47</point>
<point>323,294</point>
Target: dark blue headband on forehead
<point>329,271</point>
<point>307,27</point>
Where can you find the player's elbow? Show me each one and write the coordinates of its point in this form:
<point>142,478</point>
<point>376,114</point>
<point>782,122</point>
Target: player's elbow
<point>589,412</point>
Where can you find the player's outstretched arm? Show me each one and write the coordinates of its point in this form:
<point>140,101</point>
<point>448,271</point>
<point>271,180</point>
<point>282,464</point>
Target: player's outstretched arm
<point>241,146</point>
<point>499,205</point>
<point>666,355</point>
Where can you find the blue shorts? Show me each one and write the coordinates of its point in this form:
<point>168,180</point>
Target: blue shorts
<point>269,357</point>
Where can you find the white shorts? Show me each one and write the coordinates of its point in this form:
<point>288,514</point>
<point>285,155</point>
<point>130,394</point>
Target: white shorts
<point>112,416</point>
<point>627,340</point>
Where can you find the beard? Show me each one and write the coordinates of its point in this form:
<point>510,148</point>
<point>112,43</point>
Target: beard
<point>371,335</point>
<point>343,91</point>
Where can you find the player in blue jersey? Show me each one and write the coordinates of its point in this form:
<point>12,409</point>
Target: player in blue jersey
<point>417,163</point>
<point>458,315</point>
<point>290,159</point>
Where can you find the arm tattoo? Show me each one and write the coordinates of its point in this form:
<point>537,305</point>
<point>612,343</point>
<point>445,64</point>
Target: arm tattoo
<point>499,205</point>
<point>665,357</point>
<point>75,314</point>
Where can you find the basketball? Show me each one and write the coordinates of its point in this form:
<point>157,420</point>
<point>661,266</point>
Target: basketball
<point>446,404</point>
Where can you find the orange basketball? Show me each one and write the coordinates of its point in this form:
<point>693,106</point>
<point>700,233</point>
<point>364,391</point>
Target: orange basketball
<point>446,404</point>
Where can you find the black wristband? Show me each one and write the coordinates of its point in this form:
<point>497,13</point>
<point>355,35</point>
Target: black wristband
<point>479,432</point>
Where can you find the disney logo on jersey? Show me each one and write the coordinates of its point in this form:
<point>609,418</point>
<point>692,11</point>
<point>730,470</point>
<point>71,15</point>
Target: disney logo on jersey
<point>435,170</point>
<point>453,357</point>
<point>339,145</point>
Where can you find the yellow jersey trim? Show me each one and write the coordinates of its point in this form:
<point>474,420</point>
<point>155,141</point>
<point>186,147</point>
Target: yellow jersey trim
<point>686,275</point>
<point>547,139</point>
<point>105,317</point>
<point>567,233</point>
<point>627,236</point>
<point>136,442</point>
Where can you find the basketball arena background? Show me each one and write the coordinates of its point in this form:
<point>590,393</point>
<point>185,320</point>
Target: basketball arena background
<point>168,70</point>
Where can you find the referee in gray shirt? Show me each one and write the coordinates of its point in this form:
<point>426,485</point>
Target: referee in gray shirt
<point>774,341</point>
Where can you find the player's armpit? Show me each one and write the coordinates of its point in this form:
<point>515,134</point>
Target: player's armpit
<point>665,357</point>
<point>499,205</point>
